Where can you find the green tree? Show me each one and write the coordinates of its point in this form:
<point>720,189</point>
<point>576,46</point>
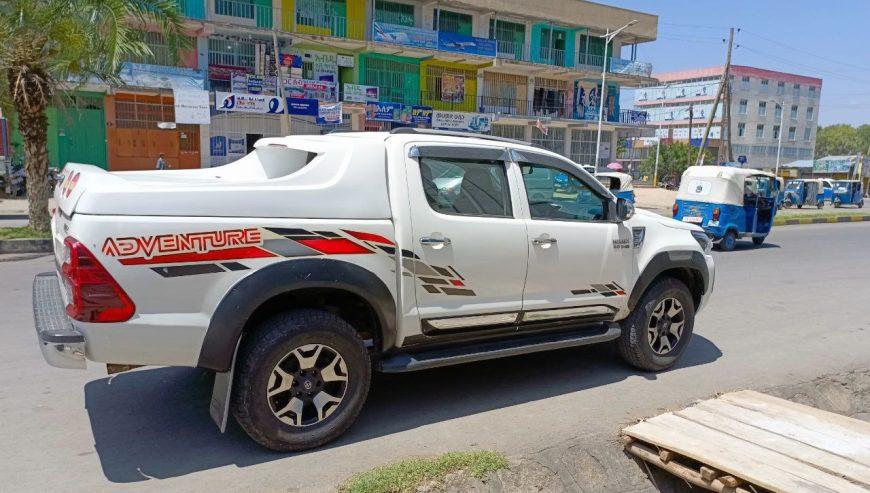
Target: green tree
<point>51,46</point>
<point>837,140</point>
<point>674,158</point>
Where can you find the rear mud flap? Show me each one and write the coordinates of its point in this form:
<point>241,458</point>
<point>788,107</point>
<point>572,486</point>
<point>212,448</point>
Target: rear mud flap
<point>219,407</point>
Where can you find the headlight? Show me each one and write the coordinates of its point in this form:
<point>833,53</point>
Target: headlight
<point>703,240</point>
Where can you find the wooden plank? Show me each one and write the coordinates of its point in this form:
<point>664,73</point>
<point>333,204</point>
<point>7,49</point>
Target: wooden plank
<point>736,457</point>
<point>819,435</point>
<point>679,470</point>
<point>832,463</point>
<point>853,430</point>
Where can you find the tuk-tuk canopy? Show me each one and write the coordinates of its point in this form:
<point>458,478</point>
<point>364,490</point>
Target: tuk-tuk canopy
<point>615,180</point>
<point>718,184</point>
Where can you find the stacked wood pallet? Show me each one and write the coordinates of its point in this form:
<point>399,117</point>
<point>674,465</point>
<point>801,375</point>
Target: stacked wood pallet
<point>751,442</point>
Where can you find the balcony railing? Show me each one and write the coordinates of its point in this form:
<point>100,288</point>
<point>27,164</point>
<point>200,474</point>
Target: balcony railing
<point>525,108</point>
<point>585,61</point>
<point>552,56</point>
<point>511,50</point>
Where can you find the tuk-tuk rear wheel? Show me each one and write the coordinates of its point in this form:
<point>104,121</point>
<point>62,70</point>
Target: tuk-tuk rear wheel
<point>728,241</point>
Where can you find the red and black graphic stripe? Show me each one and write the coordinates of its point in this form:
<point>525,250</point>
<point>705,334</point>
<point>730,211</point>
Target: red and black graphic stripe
<point>607,290</point>
<point>196,269</point>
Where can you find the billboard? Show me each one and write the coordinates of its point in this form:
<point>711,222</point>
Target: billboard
<point>404,35</point>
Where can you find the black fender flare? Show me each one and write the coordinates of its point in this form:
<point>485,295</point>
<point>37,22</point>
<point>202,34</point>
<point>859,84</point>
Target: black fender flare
<point>664,261</point>
<point>240,302</point>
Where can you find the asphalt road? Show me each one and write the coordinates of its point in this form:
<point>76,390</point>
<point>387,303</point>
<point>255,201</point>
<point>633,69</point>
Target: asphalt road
<point>788,312</point>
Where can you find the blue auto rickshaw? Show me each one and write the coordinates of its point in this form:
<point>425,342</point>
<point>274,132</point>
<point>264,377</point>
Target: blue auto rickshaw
<point>780,192</point>
<point>828,188</point>
<point>848,192</point>
<point>619,184</point>
<point>799,193</point>
<point>729,203</point>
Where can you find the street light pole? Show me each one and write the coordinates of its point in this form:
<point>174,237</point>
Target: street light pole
<point>607,39</point>
<point>659,137</point>
<point>779,141</point>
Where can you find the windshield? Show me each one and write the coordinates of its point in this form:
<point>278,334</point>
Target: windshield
<point>841,184</point>
<point>793,185</point>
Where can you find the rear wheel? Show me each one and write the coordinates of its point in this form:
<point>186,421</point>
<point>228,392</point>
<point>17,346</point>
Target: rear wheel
<point>729,241</point>
<point>659,328</point>
<point>302,379</point>
<point>758,240</point>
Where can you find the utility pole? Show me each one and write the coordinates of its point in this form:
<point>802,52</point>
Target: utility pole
<point>279,82</point>
<point>725,75</point>
<point>728,119</point>
<point>691,118</point>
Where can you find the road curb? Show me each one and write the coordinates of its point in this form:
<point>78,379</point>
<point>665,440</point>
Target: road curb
<point>846,218</point>
<point>26,245</point>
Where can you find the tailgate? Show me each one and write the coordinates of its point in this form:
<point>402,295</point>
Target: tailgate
<point>78,178</point>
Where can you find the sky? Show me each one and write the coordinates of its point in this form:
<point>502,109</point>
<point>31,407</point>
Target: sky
<point>829,39</point>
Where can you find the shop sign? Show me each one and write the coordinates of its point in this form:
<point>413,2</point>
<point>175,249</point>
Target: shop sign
<point>302,106</point>
<point>311,89</point>
<point>388,112</point>
<point>329,114</point>
<point>248,103</point>
<point>466,44</point>
<point>405,35</point>
<point>456,120</point>
<point>355,93</point>
<point>159,76</point>
<point>218,145</point>
<point>191,106</point>
<point>421,114</point>
<point>236,146</point>
<point>290,60</point>
<point>345,61</point>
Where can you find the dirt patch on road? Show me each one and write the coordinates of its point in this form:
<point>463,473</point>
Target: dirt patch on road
<point>599,464</point>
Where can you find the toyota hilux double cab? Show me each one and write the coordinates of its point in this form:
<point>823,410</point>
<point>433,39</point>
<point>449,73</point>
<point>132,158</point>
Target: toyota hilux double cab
<point>298,270</point>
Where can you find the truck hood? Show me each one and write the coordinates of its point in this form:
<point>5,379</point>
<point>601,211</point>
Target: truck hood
<point>666,221</point>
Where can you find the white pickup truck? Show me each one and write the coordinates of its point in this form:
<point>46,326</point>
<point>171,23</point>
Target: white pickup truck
<point>296,271</point>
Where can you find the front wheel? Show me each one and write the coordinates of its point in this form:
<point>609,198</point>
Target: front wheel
<point>301,381</point>
<point>659,328</point>
<point>820,204</point>
<point>729,241</point>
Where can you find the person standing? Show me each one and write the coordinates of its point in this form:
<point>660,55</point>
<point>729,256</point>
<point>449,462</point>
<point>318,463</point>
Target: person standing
<point>161,161</point>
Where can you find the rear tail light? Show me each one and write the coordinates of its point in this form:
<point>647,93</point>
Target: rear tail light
<point>676,209</point>
<point>94,295</point>
<point>716,213</point>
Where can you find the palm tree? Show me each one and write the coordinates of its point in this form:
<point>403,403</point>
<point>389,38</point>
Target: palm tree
<point>49,47</point>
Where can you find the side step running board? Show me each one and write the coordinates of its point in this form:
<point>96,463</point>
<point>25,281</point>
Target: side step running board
<point>405,362</point>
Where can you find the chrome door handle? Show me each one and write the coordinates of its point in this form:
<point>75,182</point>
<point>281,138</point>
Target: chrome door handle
<point>427,241</point>
<point>543,241</point>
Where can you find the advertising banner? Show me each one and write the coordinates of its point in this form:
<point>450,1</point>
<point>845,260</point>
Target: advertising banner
<point>452,88</point>
<point>329,114</point>
<point>248,103</point>
<point>345,61</point>
<point>302,106</point>
<point>404,35</point>
<point>455,120</point>
<point>355,93</point>
<point>218,145</point>
<point>421,114</point>
<point>311,89</point>
<point>290,60</point>
<point>236,146</point>
<point>388,112</point>
<point>466,44</point>
<point>159,76</point>
<point>324,65</point>
<point>191,106</point>
<point>252,84</point>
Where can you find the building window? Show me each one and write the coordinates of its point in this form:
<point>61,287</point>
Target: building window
<point>744,104</point>
<point>797,91</point>
<point>510,37</point>
<point>554,140</point>
<point>759,131</point>
<point>762,108</point>
<point>808,133</point>
<point>741,129</point>
<point>778,112</point>
<point>780,87</point>
<point>233,53</point>
<point>583,146</point>
<point>776,132</point>
<point>400,14</point>
<point>792,131</point>
<point>794,111</point>
<point>813,92</point>
<point>744,82</point>
<point>765,84</point>
<point>516,132</point>
<point>161,52</point>
<point>810,114</point>
<point>451,22</point>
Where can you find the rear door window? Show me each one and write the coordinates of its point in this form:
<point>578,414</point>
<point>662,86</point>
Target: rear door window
<point>466,187</point>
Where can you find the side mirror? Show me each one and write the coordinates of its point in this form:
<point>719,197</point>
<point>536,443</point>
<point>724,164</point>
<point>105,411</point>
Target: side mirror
<point>624,210</point>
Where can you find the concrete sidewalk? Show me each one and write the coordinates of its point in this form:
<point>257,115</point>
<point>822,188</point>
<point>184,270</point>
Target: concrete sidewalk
<point>13,207</point>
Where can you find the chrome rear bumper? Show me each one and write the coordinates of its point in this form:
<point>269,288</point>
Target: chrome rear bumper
<point>62,345</point>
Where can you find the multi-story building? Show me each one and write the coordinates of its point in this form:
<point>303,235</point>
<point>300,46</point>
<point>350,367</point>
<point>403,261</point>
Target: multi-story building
<point>763,104</point>
<point>496,67</point>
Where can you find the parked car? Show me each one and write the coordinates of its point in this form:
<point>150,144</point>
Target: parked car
<point>296,271</point>
<point>729,203</point>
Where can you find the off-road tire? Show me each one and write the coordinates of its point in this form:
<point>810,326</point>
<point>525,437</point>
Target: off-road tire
<point>633,344</point>
<point>273,340</point>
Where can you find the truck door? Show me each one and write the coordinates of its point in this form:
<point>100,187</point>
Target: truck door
<point>469,245</point>
<point>580,263</point>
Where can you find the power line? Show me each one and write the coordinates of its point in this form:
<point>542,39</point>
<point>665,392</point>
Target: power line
<point>835,74</point>
<point>821,57</point>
